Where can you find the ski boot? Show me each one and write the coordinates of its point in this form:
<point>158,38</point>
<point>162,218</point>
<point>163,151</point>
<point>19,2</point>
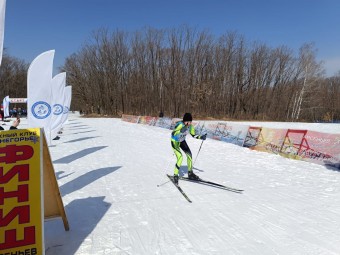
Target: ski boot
<point>176,179</point>
<point>193,176</point>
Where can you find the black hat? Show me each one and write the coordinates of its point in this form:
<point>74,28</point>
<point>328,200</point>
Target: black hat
<point>187,117</point>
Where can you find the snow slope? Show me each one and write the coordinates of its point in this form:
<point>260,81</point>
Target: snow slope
<point>108,171</point>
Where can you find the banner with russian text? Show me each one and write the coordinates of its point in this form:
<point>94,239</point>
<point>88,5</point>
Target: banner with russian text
<point>18,100</point>
<point>321,148</point>
<point>21,192</point>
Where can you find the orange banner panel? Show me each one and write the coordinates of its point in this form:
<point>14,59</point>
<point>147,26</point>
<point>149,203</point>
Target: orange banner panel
<point>270,140</point>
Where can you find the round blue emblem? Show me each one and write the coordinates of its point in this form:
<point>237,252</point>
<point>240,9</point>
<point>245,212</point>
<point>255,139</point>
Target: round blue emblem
<point>66,109</point>
<point>41,110</point>
<point>57,109</point>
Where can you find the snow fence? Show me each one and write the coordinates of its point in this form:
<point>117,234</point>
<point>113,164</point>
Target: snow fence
<point>311,146</point>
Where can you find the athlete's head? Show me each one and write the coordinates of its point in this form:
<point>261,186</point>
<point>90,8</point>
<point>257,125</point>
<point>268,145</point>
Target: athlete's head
<point>187,118</point>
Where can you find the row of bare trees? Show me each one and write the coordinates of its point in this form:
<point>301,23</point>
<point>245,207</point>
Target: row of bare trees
<point>186,70</point>
<point>183,69</point>
<point>13,77</point>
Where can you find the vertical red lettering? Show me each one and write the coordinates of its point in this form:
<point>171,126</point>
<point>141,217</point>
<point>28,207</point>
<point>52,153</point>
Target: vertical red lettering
<point>23,213</point>
<point>21,194</point>
<point>11,238</point>
<point>14,153</point>
<point>21,170</point>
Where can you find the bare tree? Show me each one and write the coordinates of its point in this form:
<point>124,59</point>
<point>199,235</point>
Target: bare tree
<point>310,71</point>
<point>13,77</point>
<point>183,69</point>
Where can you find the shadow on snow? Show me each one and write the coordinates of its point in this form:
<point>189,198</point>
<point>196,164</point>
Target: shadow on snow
<point>81,139</point>
<point>77,155</point>
<point>58,175</point>
<point>86,179</point>
<point>86,212</point>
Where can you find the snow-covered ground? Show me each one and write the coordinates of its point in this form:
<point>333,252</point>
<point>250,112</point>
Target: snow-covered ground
<point>108,171</point>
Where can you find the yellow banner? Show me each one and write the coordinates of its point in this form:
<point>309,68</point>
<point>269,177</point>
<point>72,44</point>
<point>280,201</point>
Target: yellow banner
<point>21,194</point>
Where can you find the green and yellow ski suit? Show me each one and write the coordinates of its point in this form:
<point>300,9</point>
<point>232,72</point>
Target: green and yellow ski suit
<point>178,141</point>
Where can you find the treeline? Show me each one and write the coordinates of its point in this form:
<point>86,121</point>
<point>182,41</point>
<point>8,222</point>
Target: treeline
<point>13,77</point>
<point>186,70</point>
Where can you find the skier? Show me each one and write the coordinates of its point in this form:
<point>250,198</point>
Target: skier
<point>178,135</point>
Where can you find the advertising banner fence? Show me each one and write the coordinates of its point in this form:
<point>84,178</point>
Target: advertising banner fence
<point>199,128</point>
<point>321,148</point>
<point>146,120</point>
<point>292,143</point>
<point>211,129</point>
<point>163,122</point>
<point>234,133</point>
<point>270,140</point>
<point>130,118</point>
<point>173,122</point>
<point>252,137</point>
<point>306,145</point>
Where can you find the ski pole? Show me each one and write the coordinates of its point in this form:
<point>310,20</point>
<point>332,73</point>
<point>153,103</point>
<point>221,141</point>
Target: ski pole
<point>200,146</point>
<point>197,154</point>
<point>163,183</point>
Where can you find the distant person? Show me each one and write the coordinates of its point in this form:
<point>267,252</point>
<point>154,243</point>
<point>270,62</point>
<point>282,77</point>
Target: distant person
<point>161,114</point>
<point>178,142</point>
<point>2,115</point>
<point>14,113</point>
<point>19,112</point>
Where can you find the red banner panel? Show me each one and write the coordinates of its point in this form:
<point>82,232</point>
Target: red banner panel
<point>321,148</point>
<point>292,143</point>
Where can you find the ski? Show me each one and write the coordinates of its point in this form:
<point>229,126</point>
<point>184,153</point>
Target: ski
<point>179,188</point>
<point>212,184</point>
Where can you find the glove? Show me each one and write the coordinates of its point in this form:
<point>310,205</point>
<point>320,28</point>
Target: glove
<point>203,137</point>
